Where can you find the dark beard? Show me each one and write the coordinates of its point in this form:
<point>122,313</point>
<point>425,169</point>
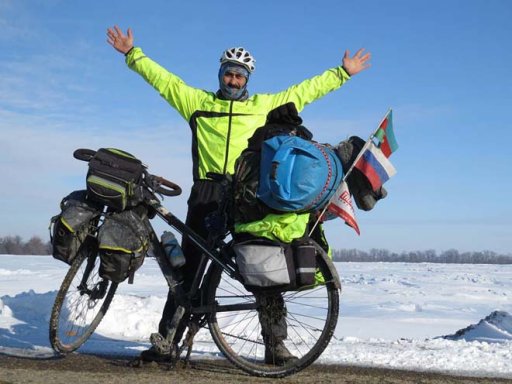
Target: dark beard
<point>244,96</point>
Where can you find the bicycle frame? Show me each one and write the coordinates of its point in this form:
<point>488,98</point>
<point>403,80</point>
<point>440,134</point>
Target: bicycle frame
<point>216,256</point>
<point>212,250</point>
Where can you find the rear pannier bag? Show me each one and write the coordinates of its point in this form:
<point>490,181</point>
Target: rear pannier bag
<point>69,229</point>
<point>265,264</point>
<point>123,240</point>
<point>115,178</point>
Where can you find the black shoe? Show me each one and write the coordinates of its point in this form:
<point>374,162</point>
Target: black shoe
<point>278,355</point>
<point>152,354</point>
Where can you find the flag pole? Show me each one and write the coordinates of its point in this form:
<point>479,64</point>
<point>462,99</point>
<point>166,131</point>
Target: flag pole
<point>365,146</point>
<point>359,155</point>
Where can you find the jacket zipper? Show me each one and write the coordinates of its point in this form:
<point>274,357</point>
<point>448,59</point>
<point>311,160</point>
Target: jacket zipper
<point>228,137</point>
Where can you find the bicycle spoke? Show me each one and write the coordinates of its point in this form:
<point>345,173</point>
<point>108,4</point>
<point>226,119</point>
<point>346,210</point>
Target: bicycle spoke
<point>80,304</point>
<point>311,315</point>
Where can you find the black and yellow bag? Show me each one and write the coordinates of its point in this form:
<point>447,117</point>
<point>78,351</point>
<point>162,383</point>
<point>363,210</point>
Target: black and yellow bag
<point>115,178</point>
<point>123,240</point>
<point>69,229</point>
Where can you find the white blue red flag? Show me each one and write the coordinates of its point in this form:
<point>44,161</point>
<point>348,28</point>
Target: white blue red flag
<point>375,166</point>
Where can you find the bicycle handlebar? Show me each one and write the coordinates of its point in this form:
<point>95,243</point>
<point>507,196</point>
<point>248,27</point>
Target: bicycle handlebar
<point>165,187</point>
<point>84,154</point>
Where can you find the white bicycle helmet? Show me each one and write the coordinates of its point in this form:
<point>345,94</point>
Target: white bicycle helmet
<point>239,55</point>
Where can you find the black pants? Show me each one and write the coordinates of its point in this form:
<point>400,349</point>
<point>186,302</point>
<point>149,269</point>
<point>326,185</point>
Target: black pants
<point>204,199</point>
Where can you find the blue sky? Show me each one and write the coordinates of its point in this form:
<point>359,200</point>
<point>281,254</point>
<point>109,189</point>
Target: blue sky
<point>442,65</point>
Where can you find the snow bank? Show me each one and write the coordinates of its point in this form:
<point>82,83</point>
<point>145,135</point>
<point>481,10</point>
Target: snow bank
<point>392,315</point>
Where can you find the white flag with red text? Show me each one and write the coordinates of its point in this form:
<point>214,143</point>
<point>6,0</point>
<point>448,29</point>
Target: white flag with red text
<point>341,205</point>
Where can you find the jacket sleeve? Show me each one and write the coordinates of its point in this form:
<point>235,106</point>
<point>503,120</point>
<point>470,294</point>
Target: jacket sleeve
<point>311,89</point>
<point>184,98</point>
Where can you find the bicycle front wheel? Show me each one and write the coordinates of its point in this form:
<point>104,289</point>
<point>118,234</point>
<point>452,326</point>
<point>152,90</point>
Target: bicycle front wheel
<point>311,316</point>
<point>82,301</point>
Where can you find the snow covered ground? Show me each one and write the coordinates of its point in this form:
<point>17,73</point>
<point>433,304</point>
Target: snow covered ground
<point>432,317</point>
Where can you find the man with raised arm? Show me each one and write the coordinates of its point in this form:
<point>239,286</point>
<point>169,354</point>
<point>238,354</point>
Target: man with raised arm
<point>221,123</point>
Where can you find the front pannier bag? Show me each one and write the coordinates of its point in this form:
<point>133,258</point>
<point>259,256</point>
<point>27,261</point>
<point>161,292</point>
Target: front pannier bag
<point>123,242</point>
<point>69,229</point>
<point>115,178</point>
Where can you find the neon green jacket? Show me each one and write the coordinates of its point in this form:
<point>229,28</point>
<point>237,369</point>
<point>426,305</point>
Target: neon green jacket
<point>283,227</point>
<point>221,128</point>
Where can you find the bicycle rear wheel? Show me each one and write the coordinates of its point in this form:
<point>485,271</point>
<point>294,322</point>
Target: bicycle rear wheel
<point>82,301</point>
<point>311,317</point>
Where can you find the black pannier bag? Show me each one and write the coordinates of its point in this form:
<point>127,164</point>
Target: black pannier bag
<point>123,240</point>
<point>115,178</point>
<point>69,228</point>
<point>267,265</point>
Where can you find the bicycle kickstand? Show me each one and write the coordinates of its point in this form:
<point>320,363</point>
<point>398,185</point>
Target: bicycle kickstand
<point>193,328</point>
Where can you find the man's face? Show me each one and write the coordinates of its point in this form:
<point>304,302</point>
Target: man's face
<point>234,80</point>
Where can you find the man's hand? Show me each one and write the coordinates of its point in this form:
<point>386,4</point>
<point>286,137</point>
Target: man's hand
<point>121,42</point>
<point>357,63</point>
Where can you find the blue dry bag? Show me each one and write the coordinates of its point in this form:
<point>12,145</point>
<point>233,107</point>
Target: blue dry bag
<point>297,175</point>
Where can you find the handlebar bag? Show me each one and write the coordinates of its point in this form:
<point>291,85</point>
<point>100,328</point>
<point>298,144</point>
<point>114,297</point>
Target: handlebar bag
<point>115,178</point>
<point>123,240</point>
<point>69,229</point>
<point>297,175</point>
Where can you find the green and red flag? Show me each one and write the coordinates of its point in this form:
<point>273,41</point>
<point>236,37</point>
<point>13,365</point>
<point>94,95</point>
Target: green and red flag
<point>385,135</point>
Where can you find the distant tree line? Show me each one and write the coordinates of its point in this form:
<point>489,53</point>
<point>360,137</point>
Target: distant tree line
<point>14,245</point>
<point>428,256</point>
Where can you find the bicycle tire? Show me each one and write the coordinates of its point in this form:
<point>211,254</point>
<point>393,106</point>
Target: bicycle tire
<point>312,316</point>
<point>78,311</point>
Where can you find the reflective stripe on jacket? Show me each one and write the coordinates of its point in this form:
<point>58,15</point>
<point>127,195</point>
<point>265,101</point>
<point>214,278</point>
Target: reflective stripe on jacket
<point>221,128</point>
